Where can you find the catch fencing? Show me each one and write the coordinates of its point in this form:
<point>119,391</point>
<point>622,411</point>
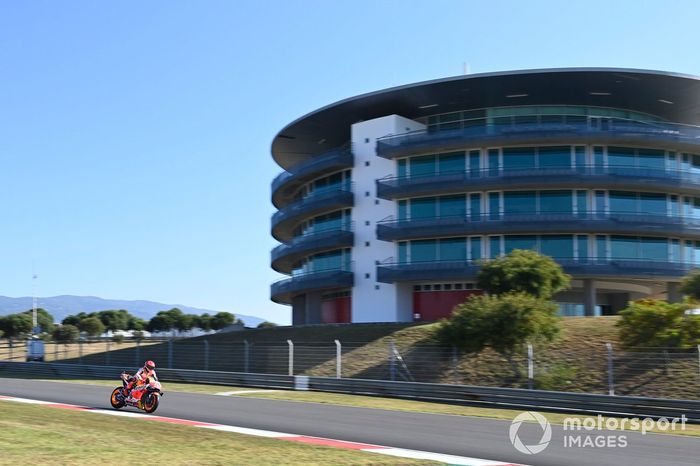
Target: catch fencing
<point>601,368</point>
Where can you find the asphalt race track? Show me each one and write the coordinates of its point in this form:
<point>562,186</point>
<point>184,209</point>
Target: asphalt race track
<point>455,435</point>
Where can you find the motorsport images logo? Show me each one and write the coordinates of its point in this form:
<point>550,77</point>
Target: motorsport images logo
<point>530,416</point>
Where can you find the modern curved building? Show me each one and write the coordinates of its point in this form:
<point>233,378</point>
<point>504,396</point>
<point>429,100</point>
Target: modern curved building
<point>389,200</point>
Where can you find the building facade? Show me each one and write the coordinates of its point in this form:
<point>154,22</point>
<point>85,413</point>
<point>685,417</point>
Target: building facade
<point>389,201</point>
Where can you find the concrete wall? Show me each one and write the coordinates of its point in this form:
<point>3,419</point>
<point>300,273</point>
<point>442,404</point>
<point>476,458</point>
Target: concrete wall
<point>373,301</point>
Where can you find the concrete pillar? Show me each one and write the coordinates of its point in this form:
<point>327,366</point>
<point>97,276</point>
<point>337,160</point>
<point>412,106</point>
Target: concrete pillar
<point>674,292</point>
<point>313,308</point>
<point>589,298</point>
<point>299,310</point>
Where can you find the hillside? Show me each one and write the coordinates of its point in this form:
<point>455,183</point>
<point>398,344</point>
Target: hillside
<point>575,362</point>
<point>62,306</point>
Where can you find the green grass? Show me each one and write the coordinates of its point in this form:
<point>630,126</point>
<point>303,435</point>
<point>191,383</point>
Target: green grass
<point>371,402</point>
<point>49,436</point>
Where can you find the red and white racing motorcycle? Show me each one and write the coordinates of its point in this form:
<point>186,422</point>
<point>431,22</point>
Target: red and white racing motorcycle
<point>145,397</point>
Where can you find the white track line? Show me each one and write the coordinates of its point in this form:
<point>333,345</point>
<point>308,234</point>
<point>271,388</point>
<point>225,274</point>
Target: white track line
<point>241,392</point>
<point>398,452</point>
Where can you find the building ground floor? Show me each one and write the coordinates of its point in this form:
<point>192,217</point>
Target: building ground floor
<point>431,301</point>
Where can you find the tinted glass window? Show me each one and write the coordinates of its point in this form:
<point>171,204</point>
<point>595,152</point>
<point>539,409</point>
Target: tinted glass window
<point>450,163</point>
<point>558,247</point>
<point>423,250</point>
<point>453,206</point>
<point>556,202</point>
<point>453,249</point>
<point>515,158</point>
<point>520,242</point>
<point>623,202</point>
<point>555,157</point>
<point>520,202</point>
<point>423,166</point>
<point>423,208</point>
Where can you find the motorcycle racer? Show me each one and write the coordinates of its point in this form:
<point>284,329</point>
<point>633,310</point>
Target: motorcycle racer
<point>142,375</point>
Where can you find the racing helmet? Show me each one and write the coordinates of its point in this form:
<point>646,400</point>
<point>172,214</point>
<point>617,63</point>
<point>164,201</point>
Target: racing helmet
<point>150,365</point>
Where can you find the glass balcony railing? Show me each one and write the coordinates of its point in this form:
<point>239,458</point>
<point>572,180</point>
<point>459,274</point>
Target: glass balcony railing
<point>391,229</point>
<point>389,271</point>
<point>319,200</point>
<point>338,236</point>
<point>586,175</point>
<point>300,173</point>
<point>283,290</point>
<point>542,129</point>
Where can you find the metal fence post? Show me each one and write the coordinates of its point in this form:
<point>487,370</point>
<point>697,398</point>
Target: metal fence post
<point>138,353</point>
<point>108,355</point>
<point>9,342</point>
<point>611,378</point>
<point>698,360</point>
<point>55,351</point>
<point>455,365</point>
<point>170,353</point>
<point>80,350</point>
<point>530,368</point>
<point>206,355</point>
<point>291,357</point>
<point>246,356</point>
<point>338,359</point>
<point>392,361</point>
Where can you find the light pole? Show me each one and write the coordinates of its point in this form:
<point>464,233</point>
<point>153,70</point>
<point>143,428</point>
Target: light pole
<point>34,319</point>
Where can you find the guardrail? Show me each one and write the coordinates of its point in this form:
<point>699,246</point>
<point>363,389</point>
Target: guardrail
<point>512,398</point>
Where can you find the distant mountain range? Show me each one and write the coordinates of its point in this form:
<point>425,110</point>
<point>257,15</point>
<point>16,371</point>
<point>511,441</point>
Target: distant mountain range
<point>62,306</point>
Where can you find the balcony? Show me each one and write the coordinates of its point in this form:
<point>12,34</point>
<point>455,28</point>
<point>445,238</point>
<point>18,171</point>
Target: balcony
<point>564,131</point>
<point>582,222</point>
<point>588,176</point>
<point>390,272</point>
<point>320,201</point>
<point>285,255</point>
<point>283,290</point>
<point>286,183</point>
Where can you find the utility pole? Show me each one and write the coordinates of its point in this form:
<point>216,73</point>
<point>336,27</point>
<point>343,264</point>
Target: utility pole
<point>34,319</point>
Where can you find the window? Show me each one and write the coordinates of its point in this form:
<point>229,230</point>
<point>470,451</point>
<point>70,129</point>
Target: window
<point>453,249</point>
<point>494,206</point>
<point>556,202</point>
<point>452,206</point>
<point>423,208</point>
<point>520,242</point>
<point>518,158</point>
<point>423,250</point>
<point>474,248</point>
<point>423,166</point>
<point>582,245</point>
<point>557,246</point>
<point>451,163</point>
<point>520,202</point>
<point>555,157</point>
<point>475,206</point>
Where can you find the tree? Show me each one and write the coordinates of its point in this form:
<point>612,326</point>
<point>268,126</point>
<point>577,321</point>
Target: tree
<point>136,323</point>
<point>266,324</point>
<point>16,325</point>
<point>93,326</point>
<point>74,319</point>
<point>66,333</point>
<point>204,322</point>
<point>161,322</point>
<point>502,322</point>
<point>223,319</point>
<point>656,323</point>
<point>184,322</point>
<point>690,285</point>
<point>114,320</point>
<point>523,271</point>
<point>44,320</point>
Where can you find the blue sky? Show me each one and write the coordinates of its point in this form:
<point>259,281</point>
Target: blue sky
<point>135,136</point>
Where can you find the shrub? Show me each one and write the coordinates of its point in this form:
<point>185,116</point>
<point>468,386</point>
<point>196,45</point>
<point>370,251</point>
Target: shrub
<point>656,323</point>
<point>66,333</point>
<point>502,322</point>
<point>523,271</point>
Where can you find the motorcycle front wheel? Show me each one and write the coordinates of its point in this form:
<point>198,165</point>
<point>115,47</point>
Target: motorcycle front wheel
<point>116,400</point>
<point>150,402</point>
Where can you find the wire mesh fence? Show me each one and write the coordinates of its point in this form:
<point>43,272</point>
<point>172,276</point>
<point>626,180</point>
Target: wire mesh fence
<point>605,369</point>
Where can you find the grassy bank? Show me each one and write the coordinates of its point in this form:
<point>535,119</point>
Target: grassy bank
<point>48,436</point>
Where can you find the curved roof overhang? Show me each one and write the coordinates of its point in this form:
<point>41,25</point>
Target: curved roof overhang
<point>671,96</point>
